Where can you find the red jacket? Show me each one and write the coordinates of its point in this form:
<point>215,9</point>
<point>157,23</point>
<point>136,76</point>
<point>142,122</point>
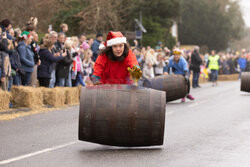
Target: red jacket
<point>114,72</point>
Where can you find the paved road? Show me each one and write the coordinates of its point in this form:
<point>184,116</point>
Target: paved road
<point>212,131</point>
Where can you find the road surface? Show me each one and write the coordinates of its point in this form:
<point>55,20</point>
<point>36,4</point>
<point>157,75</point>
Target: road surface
<point>212,131</point>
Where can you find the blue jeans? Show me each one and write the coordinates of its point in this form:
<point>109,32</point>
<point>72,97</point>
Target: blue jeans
<point>241,71</point>
<point>214,75</point>
<point>196,76</point>
<point>17,79</point>
<point>61,82</point>
<point>79,79</point>
<point>10,83</point>
<point>69,81</point>
<point>53,79</point>
<point>26,78</point>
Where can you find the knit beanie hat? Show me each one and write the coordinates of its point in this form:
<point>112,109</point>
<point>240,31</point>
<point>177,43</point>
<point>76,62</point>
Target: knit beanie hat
<point>85,46</point>
<point>25,35</point>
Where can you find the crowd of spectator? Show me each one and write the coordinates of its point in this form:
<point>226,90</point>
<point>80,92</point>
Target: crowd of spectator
<point>59,60</point>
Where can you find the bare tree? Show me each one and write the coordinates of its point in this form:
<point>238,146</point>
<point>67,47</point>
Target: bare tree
<point>103,15</point>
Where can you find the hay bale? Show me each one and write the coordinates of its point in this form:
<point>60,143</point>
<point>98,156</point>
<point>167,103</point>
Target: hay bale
<point>54,96</point>
<point>72,95</point>
<point>23,96</point>
<point>234,77</point>
<point>230,77</point>
<point>4,100</point>
<point>79,90</point>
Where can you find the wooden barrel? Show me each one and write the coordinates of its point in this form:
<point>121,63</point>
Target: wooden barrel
<point>122,115</point>
<point>245,82</point>
<point>174,86</point>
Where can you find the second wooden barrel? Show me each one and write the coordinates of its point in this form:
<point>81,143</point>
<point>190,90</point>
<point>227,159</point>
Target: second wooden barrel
<point>174,86</point>
<point>122,115</point>
<point>245,82</point>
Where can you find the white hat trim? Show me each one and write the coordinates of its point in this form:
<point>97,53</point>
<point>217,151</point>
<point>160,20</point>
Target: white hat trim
<point>117,40</point>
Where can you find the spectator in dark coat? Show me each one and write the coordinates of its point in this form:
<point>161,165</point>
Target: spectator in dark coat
<point>26,56</point>
<point>195,67</point>
<point>3,48</point>
<point>230,64</point>
<point>16,66</point>
<point>47,59</point>
<point>6,26</point>
<point>63,68</point>
<point>95,46</point>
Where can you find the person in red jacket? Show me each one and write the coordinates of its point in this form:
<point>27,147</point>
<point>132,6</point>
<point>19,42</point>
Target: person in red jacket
<point>111,66</point>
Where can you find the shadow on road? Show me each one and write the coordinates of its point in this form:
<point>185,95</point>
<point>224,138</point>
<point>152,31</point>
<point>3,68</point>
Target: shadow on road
<point>245,94</point>
<point>110,149</point>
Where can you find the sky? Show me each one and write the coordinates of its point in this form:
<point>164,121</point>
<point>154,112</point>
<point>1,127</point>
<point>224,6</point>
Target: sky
<point>245,6</point>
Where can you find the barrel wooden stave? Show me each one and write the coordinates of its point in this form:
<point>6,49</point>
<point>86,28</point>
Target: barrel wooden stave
<point>128,116</point>
<point>245,82</point>
<point>173,85</point>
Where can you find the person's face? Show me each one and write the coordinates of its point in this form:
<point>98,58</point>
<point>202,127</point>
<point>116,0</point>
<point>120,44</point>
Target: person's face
<point>9,27</point>
<point>54,38</point>
<point>89,54</point>
<point>91,40</point>
<point>160,57</point>
<point>177,57</point>
<point>82,39</point>
<point>29,40</point>
<point>61,38</point>
<point>135,51</point>
<point>118,49</point>
<point>213,52</point>
<point>65,29</point>
<point>100,38</point>
<point>11,32</point>
<point>35,37</point>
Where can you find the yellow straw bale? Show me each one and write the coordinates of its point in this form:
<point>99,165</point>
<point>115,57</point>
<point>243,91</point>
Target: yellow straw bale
<point>23,96</point>
<point>54,96</point>
<point>4,100</point>
<point>72,95</point>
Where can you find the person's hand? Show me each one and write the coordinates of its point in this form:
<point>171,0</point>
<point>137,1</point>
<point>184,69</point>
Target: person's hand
<point>39,62</point>
<point>97,83</point>
<point>2,79</point>
<point>135,72</point>
<point>57,54</point>
<point>64,54</point>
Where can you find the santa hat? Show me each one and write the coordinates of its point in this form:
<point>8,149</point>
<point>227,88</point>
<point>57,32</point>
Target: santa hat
<point>25,35</point>
<point>114,38</point>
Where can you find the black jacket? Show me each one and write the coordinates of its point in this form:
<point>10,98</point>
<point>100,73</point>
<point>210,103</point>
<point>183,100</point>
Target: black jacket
<point>2,58</point>
<point>195,62</point>
<point>33,46</point>
<point>45,69</point>
<point>62,68</point>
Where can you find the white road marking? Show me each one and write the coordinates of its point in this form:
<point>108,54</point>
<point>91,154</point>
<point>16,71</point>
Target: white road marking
<point>36,153</point>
